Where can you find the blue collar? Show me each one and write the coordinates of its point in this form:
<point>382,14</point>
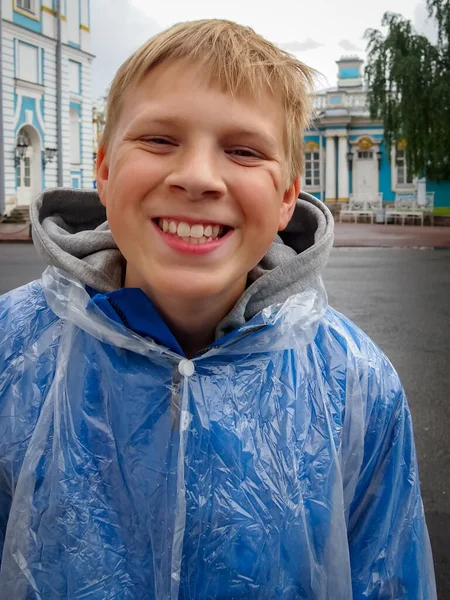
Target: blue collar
<point>132,308</point>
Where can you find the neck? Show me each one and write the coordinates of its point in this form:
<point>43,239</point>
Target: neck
<point>192,321</point>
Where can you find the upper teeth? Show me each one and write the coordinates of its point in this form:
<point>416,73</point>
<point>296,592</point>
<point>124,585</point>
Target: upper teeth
<point>185,230</point>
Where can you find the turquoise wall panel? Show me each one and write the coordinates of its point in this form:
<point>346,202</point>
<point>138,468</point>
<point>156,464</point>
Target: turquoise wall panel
<point>441,190</point>
<point>349,73</point>
<point>385,176</point>
<point>29,104</point>
<point>76,106</point>
<point>312,138</point>
<point>31,24</point>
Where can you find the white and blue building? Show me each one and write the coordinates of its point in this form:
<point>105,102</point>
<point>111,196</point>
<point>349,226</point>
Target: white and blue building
<point>345,151</point>
<point>29,85</point>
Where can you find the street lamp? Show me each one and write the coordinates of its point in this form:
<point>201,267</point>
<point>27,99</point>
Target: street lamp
<point>21,150</point>
<point>350,160</point>
<point>48,156</point>
<point>379,156</point>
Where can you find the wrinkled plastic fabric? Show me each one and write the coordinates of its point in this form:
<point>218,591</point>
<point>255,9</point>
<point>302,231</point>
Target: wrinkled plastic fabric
<point>284,467</point>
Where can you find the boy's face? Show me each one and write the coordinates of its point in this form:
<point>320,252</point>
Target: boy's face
<point>194,184</point>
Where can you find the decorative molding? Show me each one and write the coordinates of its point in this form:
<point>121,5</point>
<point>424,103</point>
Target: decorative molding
<point>77,98</point>
<point>332,132</point>
<point>365,143</point>
<point>38,117</point>
<point>48,10</point>
<point>311,146</point>
<point>21,84</point>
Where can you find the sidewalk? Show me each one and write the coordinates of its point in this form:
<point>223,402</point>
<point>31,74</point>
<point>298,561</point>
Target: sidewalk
<point>390,236</point>
<point>346,235</point>
<point>12,232</point>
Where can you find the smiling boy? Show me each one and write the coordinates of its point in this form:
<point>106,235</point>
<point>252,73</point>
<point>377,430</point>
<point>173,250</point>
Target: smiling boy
<point>186,153</point>
<point>182,415</point>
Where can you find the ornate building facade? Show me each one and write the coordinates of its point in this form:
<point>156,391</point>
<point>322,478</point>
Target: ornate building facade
<point>30,38</point>
<point>345,151</point>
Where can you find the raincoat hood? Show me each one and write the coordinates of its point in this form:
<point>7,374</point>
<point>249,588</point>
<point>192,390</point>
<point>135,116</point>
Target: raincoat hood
<point>71,232</point>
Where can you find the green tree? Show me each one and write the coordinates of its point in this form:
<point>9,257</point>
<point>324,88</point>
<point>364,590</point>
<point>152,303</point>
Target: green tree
<point>409,89</point>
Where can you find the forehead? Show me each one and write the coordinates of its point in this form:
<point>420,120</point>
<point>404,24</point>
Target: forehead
<point>183,90</point>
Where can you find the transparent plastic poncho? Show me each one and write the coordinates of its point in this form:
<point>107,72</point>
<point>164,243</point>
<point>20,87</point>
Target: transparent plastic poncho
<point>278,464</point>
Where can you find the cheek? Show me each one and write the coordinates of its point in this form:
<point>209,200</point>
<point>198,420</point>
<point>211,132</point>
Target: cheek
<point>261,203</point>
<point>131,177</point>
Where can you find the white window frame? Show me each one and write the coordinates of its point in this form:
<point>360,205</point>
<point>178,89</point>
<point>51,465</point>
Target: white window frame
<point>73,18</point>
<point>19,4</point>
<point>405,185</point>
<point>312,164</point>
<point>73,64</point>
<point>75,138</point>
<point>20,67</point>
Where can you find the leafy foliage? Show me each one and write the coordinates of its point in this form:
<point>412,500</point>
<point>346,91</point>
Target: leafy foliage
<point>409,89</point>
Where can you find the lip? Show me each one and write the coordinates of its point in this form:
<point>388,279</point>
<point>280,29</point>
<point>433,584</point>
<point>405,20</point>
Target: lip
<point>183,247</point>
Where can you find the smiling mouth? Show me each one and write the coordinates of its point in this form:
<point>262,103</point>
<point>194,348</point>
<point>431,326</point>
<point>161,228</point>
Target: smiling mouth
<point>195,233</point>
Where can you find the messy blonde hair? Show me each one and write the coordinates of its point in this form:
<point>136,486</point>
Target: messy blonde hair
<point>239,59</point>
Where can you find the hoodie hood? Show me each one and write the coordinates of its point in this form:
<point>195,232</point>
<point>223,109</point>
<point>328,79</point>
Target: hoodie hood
<point>70,231</point>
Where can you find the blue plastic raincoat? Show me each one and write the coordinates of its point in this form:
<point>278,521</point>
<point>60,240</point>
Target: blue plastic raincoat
<point>279,463</point>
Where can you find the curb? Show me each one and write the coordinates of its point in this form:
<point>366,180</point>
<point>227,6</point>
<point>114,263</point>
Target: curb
<point>27,240</point>
<point>357,246</point>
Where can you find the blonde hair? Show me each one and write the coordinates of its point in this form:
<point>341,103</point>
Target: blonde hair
<point>237,58</point>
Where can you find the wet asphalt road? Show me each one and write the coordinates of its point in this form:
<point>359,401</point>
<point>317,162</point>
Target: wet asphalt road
<point>401,298</point>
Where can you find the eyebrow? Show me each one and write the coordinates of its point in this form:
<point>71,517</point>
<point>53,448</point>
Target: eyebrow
<point>234,130</point>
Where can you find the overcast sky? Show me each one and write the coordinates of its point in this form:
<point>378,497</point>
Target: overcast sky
<point>318,31</point>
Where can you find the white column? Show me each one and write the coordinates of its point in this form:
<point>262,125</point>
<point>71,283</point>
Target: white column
<point>421,191</point>
<point>343,170</point>
<point>330,176</point>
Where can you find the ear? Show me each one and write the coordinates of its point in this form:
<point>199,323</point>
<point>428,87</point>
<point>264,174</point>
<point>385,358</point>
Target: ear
<point>102,175</point>
<point>288,204</point>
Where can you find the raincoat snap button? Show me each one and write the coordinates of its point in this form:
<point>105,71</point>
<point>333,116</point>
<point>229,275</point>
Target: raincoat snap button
<point>186,367</point>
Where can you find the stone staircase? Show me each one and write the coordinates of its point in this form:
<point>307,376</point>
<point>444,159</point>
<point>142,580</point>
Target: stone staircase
<point>20,214</point>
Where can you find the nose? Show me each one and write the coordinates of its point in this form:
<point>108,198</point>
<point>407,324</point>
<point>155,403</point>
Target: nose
<point>196,172</point>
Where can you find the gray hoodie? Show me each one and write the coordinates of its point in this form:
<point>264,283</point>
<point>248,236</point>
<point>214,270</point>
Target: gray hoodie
<point>71,232</point>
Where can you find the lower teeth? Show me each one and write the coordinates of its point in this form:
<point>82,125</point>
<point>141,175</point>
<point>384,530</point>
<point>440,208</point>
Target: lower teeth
<point>190,240</point>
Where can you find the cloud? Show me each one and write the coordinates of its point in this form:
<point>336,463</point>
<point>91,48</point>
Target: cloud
<point>424,25</point>
<point>118,28</point>
<point>308,44</point>
<point>349,46</point>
